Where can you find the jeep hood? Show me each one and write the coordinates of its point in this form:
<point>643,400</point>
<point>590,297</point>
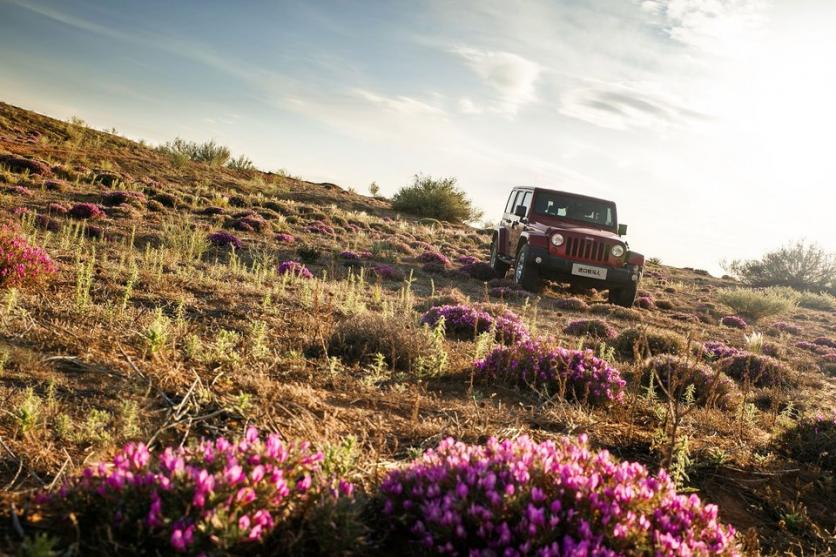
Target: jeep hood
<point>550,226</point>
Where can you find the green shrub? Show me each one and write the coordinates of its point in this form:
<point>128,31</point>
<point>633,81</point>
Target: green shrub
<point>361,338</point>
<point>823,301</point>
<point>801,266</point>
<point>756,303</point>
<point>760,370</point>
<point>644,340</point>
<point>209,152</point>
<point>678,374</point>
<point>435,198</point>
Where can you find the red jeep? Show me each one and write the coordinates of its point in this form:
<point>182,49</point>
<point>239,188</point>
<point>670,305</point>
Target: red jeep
<point>565,237</point>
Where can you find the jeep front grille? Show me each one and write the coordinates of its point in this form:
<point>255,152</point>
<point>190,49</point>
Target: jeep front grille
<point>578,247</point>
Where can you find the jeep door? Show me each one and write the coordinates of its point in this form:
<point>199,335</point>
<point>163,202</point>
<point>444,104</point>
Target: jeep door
<point>518,222</point>
<point>505,225</point>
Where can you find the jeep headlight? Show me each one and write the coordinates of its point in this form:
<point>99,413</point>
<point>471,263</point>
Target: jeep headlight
<point>557,239</point>
<point>617,251</point>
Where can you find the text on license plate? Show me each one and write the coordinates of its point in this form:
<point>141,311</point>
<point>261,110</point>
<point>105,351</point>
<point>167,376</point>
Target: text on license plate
<point>589,271</point>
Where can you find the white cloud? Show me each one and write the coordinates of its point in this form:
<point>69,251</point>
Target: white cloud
<point>399,104</point>
<point>625,106</point>
<point>511,76</point>
<point>715,26</point>
<point>467,106</point>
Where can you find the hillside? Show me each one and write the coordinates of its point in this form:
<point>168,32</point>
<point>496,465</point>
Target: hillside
<point>151,329</point>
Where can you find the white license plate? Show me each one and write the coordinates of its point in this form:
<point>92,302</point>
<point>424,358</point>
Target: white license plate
<point>589,271</point>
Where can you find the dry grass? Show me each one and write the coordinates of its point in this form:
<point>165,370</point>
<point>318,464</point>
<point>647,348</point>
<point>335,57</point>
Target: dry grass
<point>148,333</point>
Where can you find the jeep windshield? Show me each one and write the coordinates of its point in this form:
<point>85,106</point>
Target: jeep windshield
<point>581,209</point>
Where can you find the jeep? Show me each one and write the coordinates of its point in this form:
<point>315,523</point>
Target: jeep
<point>565,237</point>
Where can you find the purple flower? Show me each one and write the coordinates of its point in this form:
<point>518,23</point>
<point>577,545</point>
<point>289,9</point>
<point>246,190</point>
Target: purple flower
<point>320,227</point>
<point>294,268</point>
<point>645,302</point>
<point>221,238</point>
<point>518,497</point>
<point>86,211</point>
<point>387,272</point>
<point>785,327</point>
<point>21,263</point>
<point>465,322</point>
<point>578,373</point>
<point>715,350</point>
<point>438,258</point>
<point>114,198</point>
<point>734,322</point>
<point>355,255</point>
<point>596,328</point>
<point>285,238</point>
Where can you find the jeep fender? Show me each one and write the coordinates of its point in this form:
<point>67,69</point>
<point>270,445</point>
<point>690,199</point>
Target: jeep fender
<point>500,235</point>
<point>634,258</point>
<point>534,239</point>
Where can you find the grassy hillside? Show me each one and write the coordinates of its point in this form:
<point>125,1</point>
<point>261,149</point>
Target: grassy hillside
<point>150,331</point>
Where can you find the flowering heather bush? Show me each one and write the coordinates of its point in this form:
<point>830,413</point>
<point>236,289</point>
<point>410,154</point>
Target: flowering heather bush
<point>717,350</point>
<point>675,374</point>
<point>355,255</point>
<point>86,211</point>
<point>222,238</point>
<point>57,209</point>
<point>596,328</point>
<point>466,323</point>
<point>572,304</point>
<point>20,263</point>
<point>320,227</point>
<point>645,302</point>
<point>431,256</point>
<point>784,327</point>
<point>762,371</point>
<point>114,198</point>
<point>518,497</point>
<point>294,268</point>
<point>467,259</point>
<point>575,374</point>
<point>212,210</point>
<point>387,272</point>
<point>734,322</point>
<point>19,190</point>
<point>478,270</point>
<point>824,341</point>
<point>813,441</point>
<point>212,497</point>
<point>507,293</point>
<point>249,222</point>
<point>656,341</point>
<point>285,238</point>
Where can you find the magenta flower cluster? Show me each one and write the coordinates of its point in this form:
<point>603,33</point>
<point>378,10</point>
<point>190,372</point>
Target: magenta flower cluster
<point>222,238</point>
<point>86,211</point>
<point>596,328</point>
<point>467,259</point>
<point>350,255</point>
<point>785,327</point>
<point>320,227</point>
<point>517,497</point>
<point>465,322</point>
<point>21,263</point>
<point>734,321</point>
<point>387,272</point>
<point>434,257</point>
<point>478,270</point>
<point>211,497</point>
<point>716,350</point>
<point>114,198</point>
<point>576,374</point>
<point>285,238</point>
<point>572,304</point>
<point>295,269</point>
<point>645,302</point>
<point>824,341</point>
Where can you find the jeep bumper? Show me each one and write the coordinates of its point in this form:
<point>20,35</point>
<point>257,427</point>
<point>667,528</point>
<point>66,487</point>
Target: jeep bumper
<point>560,268</point>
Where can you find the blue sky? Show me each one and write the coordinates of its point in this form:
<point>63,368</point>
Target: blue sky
<point>709,122</point>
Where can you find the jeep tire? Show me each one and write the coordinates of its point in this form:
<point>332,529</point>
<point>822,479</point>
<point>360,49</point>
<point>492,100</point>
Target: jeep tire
<point>526,274</point>
<point>500,267</point>
<point>624,296</point>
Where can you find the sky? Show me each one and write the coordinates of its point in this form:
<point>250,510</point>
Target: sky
<point>709,122</point>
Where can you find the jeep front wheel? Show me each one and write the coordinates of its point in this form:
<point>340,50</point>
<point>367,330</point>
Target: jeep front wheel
<point>526,274</point>
<point>500,267</point>
<point>624,296</point>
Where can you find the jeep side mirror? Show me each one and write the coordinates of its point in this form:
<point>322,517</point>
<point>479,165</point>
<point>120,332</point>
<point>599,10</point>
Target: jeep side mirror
<point>520,211</point>
<point>622,229</point>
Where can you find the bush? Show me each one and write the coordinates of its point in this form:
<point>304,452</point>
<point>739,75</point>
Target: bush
<point>216,497</point>
<point>361,338</point>
<point>386,272</point>
<point>784,327</point>
<point>224,239</point>
<point>657,342</point>
<point>86,211</point>
<point>813,441</point>
<point>20,263</point>
<point>572,304</point>
<point>676,374</point>
<point>116,198</point>
<point>715,350</point>
<point>734,322</point>
<point>573,374</point>
<point>294,268</point>
<point>800,266</point>
<point>823,301</point>
<point>478,270</point>
<point>434,257</point>
<point>466,323</point>
<point>435,198</point>
<point>517,497</point>
<point>595,328</point>
<point>207,152</point>
<point>757,303</point>
<point>760,370</point>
